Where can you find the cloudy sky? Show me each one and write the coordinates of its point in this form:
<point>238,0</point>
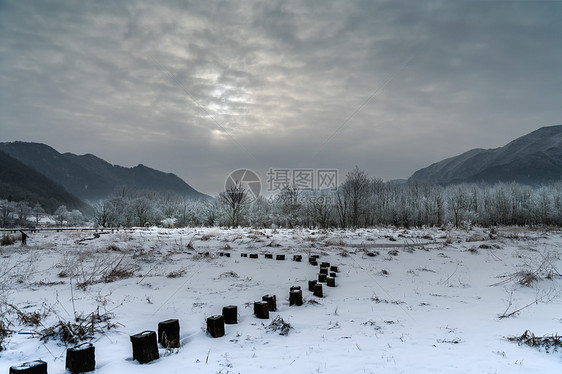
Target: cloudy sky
<point>201,88</point>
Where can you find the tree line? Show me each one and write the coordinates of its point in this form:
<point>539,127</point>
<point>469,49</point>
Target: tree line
<point>360,201</point>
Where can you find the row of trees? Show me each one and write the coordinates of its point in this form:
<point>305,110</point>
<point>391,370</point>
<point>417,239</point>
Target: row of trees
<point>361,201</point>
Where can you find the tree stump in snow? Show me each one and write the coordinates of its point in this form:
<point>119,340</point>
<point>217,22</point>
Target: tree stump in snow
<point>261,309</point>
<point>295,288</point>
<point>221,253</point>
<point>169,333</point>
<point>311,285</point>
<point>280,257</point>
<point>271,302</point>
<point>81,359</point>
<point>324,271</point>
<point>145,347</point>
<point>295,297</point>
<point>322,278</point>
<point>227,254</point>
<point>334,269</point>
<point>253,255</point>
<point>297,258</point>
<point>243,255</point>
<point>333,275</point>
<point>325,264</point>
<point>318,290</point>
<point>215,326</point>
<point>268,256</point>
<point>230,314</point>
<point>313,263</point>
<point>331,282</point>
<point>31,367</point>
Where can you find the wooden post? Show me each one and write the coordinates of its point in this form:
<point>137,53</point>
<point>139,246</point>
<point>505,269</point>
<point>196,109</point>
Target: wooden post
<point>311,285</point>
<point>334,269</point>
<point>230,314</point>
<point>169,333</point>
<point>318,290</point>
<point>313,263</point>
<point>243,255</point>
<point>271,302</point>
<point>261,309</point>
<point>227,254</point>
<point>331,282</point>
<point>295,288</point>
<point>333,275</point>
<point>253,255</point>
<point>31,367</point>
<point>280,257</point>
<point>268,256</point>
<point>295,297</point>
<point>322,278</point>
<point>297,258</point>
<point>81,358</point>
<point>215,326</point>
<point>323,270</point>
<point>145,347</point>
<point>221,253</point>
<point>325,264</point>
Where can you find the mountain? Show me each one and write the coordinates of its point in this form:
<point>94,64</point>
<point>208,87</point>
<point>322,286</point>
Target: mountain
<point>89,177</point>
<point>19,182</point>
<point>532,159</point>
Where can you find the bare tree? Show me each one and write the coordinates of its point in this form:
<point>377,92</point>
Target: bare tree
<point>234,199</point>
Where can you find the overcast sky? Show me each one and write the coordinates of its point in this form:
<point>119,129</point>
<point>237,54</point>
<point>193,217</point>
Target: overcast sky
<point>201,88</point>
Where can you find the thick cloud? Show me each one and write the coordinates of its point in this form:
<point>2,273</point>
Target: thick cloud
<point>202,88</point>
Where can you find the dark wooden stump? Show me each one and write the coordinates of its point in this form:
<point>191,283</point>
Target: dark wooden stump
<point>268,256</point>
<point>334,269</point>
<point>295,288</point>
<point>316,257</point>
<point>323,270</point>
<point>253,255</point>
<point>313,263</point>
<point>280,257</point>
<point>295,297</point>
<point>325,264</point>
<point>297,258</point>
<point>221,253</point>
<point>311,285</point>
<point>271,302</point>
<point>31,367</point>
<point>145,347</point>
<point>261,309</point>
<point>230,314</point>
<point>81,359</point>
<point>322,278</point>
<point>169,333</point>
<point>215,326</point>
<point>243,255</point>
<point>331,282</point>
<point>318,290</point>
<point>333,275</point>
<point>227,254</point>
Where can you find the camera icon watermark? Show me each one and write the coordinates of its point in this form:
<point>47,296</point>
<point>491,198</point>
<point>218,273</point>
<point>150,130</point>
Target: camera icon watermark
<point>244,181</point>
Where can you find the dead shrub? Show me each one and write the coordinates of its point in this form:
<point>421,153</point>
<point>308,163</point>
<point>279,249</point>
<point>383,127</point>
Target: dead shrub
<point>83,328</point>
<point>8,239</point>
<point>547,341</point>
<point>279,325</point>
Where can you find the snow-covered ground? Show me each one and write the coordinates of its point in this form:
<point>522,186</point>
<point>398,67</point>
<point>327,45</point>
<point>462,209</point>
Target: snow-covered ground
<point>406,301</point>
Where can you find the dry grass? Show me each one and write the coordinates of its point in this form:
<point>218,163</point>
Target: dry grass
<point>83,328</point>
<point>279,325</point>
<point>547,342</point>
<point>8,239</point>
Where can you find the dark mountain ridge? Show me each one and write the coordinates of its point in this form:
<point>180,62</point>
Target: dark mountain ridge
<point>532,159</point>
<point>19,182</point>
<point>91,178</point>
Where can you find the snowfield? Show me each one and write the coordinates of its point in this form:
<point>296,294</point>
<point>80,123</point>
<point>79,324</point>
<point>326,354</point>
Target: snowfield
<point>405,301</point>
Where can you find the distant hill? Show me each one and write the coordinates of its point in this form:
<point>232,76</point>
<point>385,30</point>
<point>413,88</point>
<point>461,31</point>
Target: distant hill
<point>532,159</point>
<point>90,178</point>
<point>19,182</point>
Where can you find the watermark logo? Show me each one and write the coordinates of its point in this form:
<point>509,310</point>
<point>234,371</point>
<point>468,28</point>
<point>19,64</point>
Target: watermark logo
<point>244,180</point>
<point>279,179</point>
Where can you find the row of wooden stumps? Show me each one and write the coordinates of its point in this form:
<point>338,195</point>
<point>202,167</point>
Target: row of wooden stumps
<point>297,258</point>
<point>215,324</point>
<point>79,359</point>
